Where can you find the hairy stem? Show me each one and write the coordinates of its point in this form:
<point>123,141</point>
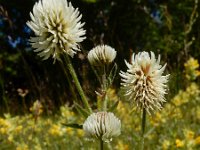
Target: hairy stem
<point>143,128</point>
<point>77,84</point>
<point>101,143</point>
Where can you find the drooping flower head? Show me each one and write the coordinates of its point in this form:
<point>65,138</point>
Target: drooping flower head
<point>57,28</point>
<point>144,83</point>
<point>101,54</point>
<point>102,125</point>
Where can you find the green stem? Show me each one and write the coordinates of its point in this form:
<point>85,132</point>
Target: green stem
<point>2,93</point>
<point>24,104</point>
<point>101,143</point>
<point>77,84</point>
<point>69,82</point>
<point>143,128</point>
<point>104,88</point>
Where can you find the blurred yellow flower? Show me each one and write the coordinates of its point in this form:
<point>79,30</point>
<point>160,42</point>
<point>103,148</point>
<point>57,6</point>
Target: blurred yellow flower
<point>197,140</point>
<point>166,144</point>
<point>179,143</point>
<point>121,146</point>
<point>180,98</point>
<point>4,123</point>
<point>38,147</point>
<point>191,69</point>
<point>30,137</point>
<point>185,96</point>
<point>157,119</point>
<point>55,130</point>
<point>69,131</point>
<point>10,138</point>
<point>80,133</point>
<point>22,147</point>
<point>18,129</point>
<point>36,109</point>
<point>66,112</point>
<point>189,135</point>
<point>3,130</point>
<point>198,112</point>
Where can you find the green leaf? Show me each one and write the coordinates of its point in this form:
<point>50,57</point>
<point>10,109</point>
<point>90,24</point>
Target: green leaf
<point>73,125</point>
<point>90,1</point>
<point>81,110</point>
<point>114,106</point>
<point>112,74</point>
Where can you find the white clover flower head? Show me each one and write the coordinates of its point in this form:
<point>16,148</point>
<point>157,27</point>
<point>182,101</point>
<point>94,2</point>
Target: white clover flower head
<point>102,125</point>
<point>57,28</point>
<point>144,83</point>
<point>101,54</point>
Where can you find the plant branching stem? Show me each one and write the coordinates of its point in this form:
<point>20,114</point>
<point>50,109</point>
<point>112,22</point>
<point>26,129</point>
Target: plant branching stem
<point>77,84</point>
<point>104,88</point>
<point>69,82</point>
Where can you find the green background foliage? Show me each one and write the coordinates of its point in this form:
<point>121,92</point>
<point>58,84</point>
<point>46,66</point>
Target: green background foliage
<point>169,28</point>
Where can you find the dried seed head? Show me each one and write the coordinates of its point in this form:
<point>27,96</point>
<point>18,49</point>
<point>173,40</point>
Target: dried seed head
<point>144,83</point>
<point>57,27</point>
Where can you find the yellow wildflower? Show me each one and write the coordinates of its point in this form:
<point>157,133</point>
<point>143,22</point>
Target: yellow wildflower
<point>198,112</point>
<point>80,133</point>
<point>121,146</point>
<point>197,140</point>
<point>66,112</point>
<point>18,129</point>
<point>157,119</point>
<point>10,138</point>
<point>30,137</point>
<point>179,143</point>
<point>191,69</point>
<point>2,121</point>
<point>36,109</point>
<point>55,130</point>
<point>69,131</point>
<point>165,144</point>
<point>181,98</point>
<point>184,96</point>
<point>3,130</point>
<point>189,134</point>
<point>22,147</point>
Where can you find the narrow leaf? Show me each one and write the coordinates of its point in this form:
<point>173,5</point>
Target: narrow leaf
<point>73,125</point>
<point>81,110</point>
<point>114,106</point>
<point>112,74</point>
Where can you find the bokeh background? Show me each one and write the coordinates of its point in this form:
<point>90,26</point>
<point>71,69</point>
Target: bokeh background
<point>169,28</point>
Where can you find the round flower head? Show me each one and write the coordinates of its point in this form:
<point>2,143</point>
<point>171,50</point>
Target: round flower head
<point>57,28</point>
<point>102,125</point>
<point>144,83</point>
<point>101,54</point>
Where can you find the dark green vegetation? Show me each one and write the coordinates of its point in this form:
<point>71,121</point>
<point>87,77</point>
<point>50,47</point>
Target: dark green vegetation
<point>169,28</point>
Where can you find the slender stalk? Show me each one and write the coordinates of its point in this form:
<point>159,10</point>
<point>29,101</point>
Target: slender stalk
<point>77,84</point>
<point>24,104</point>
<point>143,128</point>
<point>69,82</point>
<point>2,93</point>
<point>104,88</point>
<point>101,143</point>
